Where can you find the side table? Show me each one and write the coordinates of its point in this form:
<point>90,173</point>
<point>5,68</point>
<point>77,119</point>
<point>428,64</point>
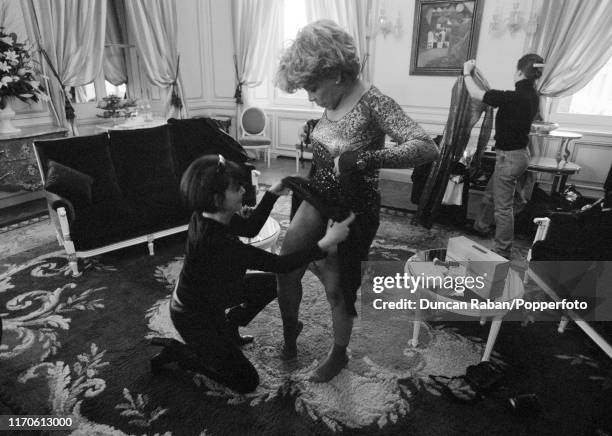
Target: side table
<point>560,170</point>
<point>20,179</point>
<point>267,237</point>
<point>513,289</point>
<point>131,125</point>
<point>559,166</point>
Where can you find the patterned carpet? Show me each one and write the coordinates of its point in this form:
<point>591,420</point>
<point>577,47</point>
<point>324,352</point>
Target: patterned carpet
<point>78,346</point>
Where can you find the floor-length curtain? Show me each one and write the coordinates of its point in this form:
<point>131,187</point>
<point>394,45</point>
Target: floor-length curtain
<point>153,28</point>
<point>70,34</point>
<point>575,39</point>
<point>357,17</point>
<point>255,29</point>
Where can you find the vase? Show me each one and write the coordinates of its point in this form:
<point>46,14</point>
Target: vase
<point>6,119</point>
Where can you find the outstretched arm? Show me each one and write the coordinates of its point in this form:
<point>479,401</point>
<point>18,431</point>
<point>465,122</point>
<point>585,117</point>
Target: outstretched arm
<point>255,258</point>
<point>250,221</point>
<point>475,92</point>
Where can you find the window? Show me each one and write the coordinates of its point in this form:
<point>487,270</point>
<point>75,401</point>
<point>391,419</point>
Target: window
<point>592,104</point>
<point>293,19</point>
<point>96,90</point>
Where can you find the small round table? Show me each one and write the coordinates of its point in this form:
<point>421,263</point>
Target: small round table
<point>268,236</point>
<point>513,289</point>
<point>559,166</point>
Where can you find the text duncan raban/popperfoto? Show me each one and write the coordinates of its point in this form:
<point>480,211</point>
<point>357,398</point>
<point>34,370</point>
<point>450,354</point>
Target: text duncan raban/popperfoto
<point>458,284</point>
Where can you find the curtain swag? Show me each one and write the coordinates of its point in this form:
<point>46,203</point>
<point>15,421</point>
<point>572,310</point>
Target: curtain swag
<point>239,83</point>
<point>68,108</point>
<point>175,99</point>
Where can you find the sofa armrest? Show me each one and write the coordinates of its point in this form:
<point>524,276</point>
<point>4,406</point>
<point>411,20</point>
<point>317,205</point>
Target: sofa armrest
<point>56,202</point>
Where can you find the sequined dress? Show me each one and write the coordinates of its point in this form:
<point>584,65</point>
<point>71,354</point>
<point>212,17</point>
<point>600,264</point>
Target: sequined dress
<point>359,139</point>
<point>362,130</point>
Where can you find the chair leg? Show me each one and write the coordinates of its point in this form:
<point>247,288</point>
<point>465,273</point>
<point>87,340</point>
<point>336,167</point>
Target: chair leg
<point>562,324</point>
<point>416,328</point>
<point>269,151</point>
<point>495,326</point>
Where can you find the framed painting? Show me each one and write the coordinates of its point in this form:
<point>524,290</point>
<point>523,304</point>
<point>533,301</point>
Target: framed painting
<point>445,35</point>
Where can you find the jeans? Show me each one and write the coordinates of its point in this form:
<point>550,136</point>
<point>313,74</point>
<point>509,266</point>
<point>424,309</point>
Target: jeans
<point>498,199</point>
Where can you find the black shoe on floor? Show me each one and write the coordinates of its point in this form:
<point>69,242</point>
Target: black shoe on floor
<point>169,354</point>
<point>161,359</point>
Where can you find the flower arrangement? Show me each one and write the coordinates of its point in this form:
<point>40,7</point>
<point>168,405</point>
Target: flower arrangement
<point>114,107</point>
<point>17,71</point>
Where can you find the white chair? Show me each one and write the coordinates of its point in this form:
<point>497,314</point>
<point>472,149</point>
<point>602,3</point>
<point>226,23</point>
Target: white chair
<point>253,123</point>
<point>549,275</point>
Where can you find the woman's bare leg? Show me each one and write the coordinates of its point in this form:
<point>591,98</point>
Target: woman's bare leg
<point>306,228</point>
<point>342,322</point>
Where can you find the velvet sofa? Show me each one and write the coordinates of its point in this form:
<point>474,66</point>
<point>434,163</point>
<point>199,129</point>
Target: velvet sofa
<point>121,188</point>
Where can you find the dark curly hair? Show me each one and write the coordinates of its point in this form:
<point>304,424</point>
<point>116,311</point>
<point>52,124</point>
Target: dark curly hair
<point>321,50</point>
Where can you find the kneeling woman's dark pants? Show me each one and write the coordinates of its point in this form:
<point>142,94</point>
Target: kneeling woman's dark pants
<point>211,350</point>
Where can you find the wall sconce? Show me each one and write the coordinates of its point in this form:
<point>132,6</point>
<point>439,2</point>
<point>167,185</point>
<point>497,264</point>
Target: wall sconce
<point>386,26</point>
<point>513,22</point>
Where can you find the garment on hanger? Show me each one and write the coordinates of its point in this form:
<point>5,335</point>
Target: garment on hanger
<point>464,114</point>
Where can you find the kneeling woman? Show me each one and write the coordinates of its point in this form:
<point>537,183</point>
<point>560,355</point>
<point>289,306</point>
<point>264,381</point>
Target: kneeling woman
<point>214,277</point>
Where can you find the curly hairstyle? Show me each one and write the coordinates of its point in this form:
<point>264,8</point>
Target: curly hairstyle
<point>321,50</point>
<point>525,65</point>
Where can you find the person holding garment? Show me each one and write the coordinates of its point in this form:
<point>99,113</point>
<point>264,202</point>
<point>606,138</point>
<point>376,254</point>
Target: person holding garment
<point>213,277</point>
<point>516,111</point>
<point>348,149</point>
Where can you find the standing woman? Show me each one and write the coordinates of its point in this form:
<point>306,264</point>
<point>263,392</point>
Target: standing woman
<point>516,111</point>
<point>348,149</point>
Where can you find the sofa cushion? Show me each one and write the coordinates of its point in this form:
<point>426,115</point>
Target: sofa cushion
<point>104,223</point>
<point>161,211</point>
<point>143,161</point>
<point>194,137</point>
<point>69,183</point>
<point>89,155</point>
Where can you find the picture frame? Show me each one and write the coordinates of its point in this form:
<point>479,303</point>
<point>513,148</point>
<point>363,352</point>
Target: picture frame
<point>445,35</point>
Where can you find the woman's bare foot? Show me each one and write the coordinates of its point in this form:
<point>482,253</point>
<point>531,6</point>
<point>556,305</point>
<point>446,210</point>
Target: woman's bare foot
<point>331,366</point>
<point>289,348</point>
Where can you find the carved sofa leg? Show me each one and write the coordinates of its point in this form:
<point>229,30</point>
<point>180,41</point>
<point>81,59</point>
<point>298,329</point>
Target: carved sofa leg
<point>68,244</point>
<point>150,239</point>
